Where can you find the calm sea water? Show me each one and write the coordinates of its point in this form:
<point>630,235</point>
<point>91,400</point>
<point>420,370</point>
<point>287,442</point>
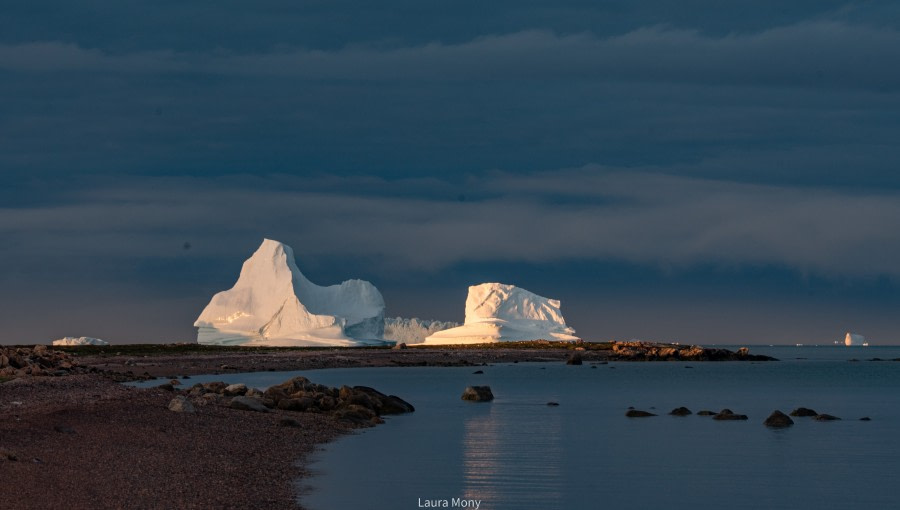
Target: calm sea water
<point>518,453</point>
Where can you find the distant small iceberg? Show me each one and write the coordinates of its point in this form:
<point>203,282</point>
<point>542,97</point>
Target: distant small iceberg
<point>79,340</point>
<point>854,340</point>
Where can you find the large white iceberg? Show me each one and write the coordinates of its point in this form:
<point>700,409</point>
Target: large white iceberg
<point>853,339</point>
<point>497,313</point>
<point>273,304</point>
<point>413,331</point>
<point>80,340</point>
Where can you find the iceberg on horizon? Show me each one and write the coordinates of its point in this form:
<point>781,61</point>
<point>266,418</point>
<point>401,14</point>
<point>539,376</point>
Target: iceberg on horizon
<point>853,339</point>
<point>413,331</point>
<point>80,340</point>
<point>273,304</point>
<point>496,312</point>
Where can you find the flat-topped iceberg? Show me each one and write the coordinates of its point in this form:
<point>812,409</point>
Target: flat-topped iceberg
<point>853,339</point>
<point>273,304</point>
<point>413,331</point>
<point>499,313</point>
<point>80,340</point>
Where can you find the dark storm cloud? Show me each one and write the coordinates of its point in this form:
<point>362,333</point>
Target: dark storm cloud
<point>810,54</point>
<point>587,213</point>
<point>662,148</point>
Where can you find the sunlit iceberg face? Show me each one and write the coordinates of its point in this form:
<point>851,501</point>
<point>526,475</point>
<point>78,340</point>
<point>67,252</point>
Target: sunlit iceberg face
<point>497,312</point>
<point>272,303</point>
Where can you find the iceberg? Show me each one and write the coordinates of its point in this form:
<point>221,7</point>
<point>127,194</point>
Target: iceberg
<point>273,304</point>
<point>80,340</point>
<point>413,331</point>
<point>853,340</point>
<point>496,312</point>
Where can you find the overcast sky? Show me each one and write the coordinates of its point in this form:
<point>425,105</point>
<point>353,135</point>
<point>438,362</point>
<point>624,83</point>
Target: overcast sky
<point>694,171</point>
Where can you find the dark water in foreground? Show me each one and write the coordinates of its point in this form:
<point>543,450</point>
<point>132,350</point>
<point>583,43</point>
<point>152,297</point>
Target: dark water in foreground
<point>518,453</point>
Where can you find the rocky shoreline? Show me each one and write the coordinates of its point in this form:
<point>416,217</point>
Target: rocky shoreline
<point>72,436</point>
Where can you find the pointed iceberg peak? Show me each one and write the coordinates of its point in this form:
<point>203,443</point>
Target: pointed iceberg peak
<point>497,312</point>
<point>272,303</point>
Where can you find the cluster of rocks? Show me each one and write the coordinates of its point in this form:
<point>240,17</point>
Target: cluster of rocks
<point>776,420</point>
<point>649,351</point>
<point>358,405</point>
<point>36,361</point>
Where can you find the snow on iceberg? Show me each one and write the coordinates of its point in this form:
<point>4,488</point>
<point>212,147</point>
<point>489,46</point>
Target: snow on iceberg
<point>498,313</point>
<point>854,339</point>
<point>413,331</point>
<point>273,304</point>
<point>80,340</point>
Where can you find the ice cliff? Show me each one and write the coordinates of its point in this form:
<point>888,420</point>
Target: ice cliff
<point>496,313</point>
<point>854,339</point>
<point>273,304</point>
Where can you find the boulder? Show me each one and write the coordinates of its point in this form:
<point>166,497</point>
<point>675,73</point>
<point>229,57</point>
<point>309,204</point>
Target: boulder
<point>478,394</point>
<point>728,415</point>
<point>248,404</point>
<point>706,412</point>
<point>296,404</point>
<point>680,411</point>
<point>215,387</point>
<point>181,404</point>
<point>778,420</point>
<point>234,390</point>
<point>825,417</point>
<point>803,411</point>
<point>635,413</point>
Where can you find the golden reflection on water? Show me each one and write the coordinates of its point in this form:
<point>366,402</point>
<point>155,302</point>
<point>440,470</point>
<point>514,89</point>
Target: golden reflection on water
<point>517,463</point>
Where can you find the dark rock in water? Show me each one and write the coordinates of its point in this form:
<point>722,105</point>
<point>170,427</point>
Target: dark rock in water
<point>865,418</point>
<point>396,405</point>
<point>825,417</point>
<point>635,413</point>
<point>478,372</point>
<point>593,366</point>
<point>478,394</point>
<point>727,415</point>
<point>248,404</point>
<point>552,404</point>
<point>706,412</point>
<point>680,411</point>
<point>778,419</point>
<point>876,359</point>
<point>574,359</point>
<point>688,366</point>
<point>803,411</point>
